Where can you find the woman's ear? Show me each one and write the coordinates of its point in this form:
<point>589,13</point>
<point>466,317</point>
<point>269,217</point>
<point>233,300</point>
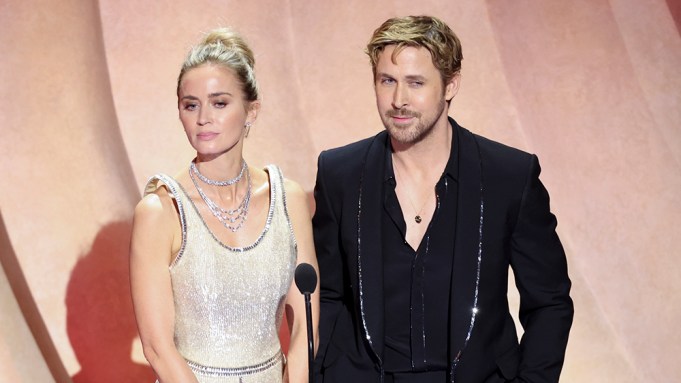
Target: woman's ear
<point>253,110</point>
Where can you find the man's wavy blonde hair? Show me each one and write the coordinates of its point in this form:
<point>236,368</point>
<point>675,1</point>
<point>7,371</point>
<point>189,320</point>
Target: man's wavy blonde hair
<point>418,31</point>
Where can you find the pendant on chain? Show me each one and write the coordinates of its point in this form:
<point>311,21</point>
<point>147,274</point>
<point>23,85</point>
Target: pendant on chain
<point>417,219</point>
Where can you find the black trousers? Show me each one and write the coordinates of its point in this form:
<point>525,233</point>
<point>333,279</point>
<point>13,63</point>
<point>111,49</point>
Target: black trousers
<point>416,377</point>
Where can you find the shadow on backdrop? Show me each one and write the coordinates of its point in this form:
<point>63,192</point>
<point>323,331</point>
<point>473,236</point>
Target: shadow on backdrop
<point>29,308</point>
<point>675,10</point>
<point>100,320</point>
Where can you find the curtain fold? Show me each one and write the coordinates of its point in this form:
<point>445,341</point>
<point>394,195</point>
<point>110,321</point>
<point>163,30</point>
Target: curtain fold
<point>88,112</point>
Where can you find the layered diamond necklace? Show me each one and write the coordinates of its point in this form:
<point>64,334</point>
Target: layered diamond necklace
<point>232,219</point>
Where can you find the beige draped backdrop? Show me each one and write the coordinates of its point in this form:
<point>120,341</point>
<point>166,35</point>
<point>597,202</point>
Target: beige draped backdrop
<point>88,113</point>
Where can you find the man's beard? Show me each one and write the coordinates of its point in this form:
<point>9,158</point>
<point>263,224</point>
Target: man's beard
<point>416,131</point>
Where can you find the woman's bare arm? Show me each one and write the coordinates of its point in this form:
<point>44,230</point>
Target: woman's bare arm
<point>297,365</point>
<point>154,244</point>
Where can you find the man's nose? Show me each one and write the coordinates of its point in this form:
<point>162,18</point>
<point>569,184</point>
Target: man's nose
<point>400,97</point>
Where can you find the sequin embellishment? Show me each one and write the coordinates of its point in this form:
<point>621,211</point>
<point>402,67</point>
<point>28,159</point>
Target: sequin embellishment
<point>229,301</point>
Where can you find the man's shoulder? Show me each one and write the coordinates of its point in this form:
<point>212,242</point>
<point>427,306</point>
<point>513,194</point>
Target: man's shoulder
<point>342,164</point>
<point>495,151</point>
<point>498,160</point>
<point>352,152</point>
<point>501,149</point>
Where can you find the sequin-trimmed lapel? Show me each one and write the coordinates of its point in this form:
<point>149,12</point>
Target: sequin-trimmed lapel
<point>468,246</point>
<point>369,245</point>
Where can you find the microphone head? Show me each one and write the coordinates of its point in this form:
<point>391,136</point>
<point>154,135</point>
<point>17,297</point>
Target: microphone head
<point>306,278</point>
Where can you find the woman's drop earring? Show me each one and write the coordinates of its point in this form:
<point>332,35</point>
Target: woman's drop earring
<point>248,128</point>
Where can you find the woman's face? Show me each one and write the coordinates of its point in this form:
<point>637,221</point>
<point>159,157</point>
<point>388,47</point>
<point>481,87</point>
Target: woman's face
<point>213,110</point>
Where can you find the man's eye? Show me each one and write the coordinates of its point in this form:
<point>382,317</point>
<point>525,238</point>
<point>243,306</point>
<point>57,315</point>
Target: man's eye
<point>387,81</point>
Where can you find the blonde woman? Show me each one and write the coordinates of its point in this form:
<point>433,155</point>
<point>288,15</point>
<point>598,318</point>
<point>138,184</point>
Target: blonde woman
<point>214,248</point>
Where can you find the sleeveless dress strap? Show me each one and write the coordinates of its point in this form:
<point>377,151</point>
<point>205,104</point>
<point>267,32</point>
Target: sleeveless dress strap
<point>176,192</point>
<point>277,180</point>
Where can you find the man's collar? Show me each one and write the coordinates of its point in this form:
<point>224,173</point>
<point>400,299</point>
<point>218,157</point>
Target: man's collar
<point>451,169</point>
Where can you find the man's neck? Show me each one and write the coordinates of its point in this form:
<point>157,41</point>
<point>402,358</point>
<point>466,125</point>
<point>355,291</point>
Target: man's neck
<point>427,157</point>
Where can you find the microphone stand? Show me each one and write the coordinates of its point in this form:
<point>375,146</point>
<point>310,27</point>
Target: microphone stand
<point>310,341</point>
<point>306,281</point>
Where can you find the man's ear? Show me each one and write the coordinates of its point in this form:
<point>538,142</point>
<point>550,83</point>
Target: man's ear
<point>452,86</point>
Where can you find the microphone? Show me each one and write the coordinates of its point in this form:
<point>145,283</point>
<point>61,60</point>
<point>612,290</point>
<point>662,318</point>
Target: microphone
<point>306,278</point>
<point>306,281</point>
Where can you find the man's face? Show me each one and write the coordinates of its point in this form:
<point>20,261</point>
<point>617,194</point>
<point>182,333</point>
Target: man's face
<point>410,95</point>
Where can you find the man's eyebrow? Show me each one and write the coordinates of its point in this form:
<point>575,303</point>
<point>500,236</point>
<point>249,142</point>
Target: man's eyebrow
<point>411,77</point>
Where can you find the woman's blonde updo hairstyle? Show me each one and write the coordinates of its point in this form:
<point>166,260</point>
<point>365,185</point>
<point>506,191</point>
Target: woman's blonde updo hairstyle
<point>225,47</point>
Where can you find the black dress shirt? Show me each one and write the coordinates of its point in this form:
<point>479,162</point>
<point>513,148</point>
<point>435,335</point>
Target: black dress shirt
<point>417,283</point>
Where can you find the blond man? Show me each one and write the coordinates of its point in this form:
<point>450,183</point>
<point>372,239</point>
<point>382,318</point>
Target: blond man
<point>415,230</point>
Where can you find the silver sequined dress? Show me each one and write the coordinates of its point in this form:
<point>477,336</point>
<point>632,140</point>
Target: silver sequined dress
<point>229,301</point>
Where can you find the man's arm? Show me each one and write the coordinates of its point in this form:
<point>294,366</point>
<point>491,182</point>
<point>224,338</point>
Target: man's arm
<point>540,269</point>
<point>326,233</point>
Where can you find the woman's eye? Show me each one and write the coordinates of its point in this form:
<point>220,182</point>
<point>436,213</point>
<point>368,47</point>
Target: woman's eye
<point>220,104</point>
<point>189,106</point>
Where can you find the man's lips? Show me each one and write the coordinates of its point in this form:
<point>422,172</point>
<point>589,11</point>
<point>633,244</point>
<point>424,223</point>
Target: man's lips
<point>402,115</point>
<point>402,118</point>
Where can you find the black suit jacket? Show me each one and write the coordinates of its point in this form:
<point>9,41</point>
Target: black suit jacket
<point>503,219</point>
